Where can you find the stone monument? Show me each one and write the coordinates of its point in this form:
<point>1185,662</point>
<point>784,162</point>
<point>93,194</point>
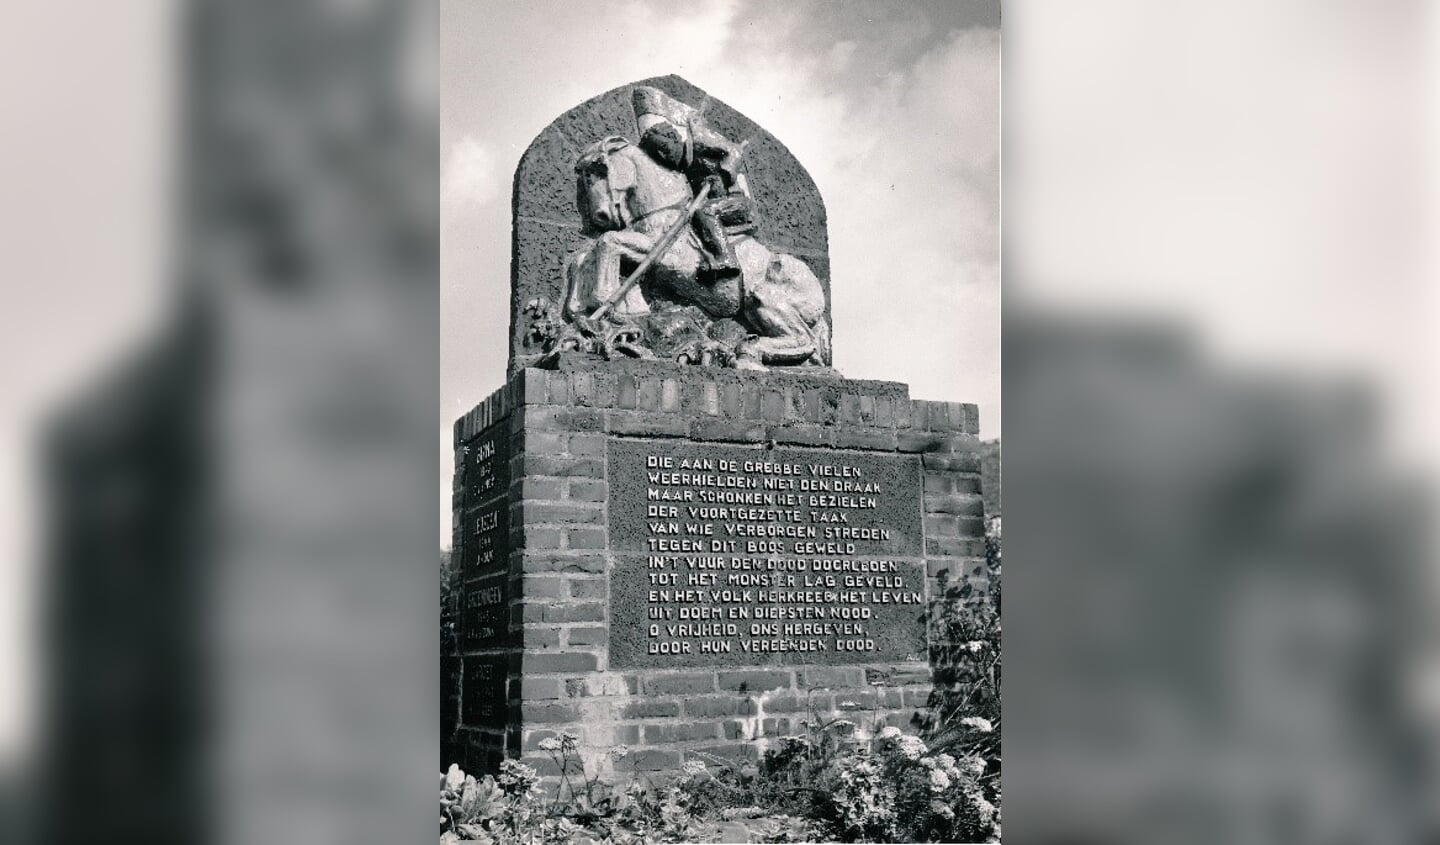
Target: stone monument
<point>678,531</point>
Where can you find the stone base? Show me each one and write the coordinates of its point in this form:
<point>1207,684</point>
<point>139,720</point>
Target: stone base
<point>565,554</point>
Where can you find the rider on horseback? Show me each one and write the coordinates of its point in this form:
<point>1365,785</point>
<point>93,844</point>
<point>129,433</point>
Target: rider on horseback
<point>676,136</point>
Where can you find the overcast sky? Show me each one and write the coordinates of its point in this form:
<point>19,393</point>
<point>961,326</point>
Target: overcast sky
<point>893,108</point>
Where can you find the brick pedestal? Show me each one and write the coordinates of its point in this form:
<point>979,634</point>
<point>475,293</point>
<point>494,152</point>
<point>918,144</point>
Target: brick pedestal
<point>533,498</point>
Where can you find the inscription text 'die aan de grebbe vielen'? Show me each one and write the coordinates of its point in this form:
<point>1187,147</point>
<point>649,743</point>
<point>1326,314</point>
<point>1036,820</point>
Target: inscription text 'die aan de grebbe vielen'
<point>747,553</point>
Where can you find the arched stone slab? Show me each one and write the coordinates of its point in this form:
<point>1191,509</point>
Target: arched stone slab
<point>546,225</point>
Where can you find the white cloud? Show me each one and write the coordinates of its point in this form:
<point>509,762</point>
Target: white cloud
<point>470,176</point>
<point>914,201</point>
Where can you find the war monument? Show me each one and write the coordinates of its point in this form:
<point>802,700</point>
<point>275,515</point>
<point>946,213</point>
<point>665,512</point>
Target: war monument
<point>678,530</point>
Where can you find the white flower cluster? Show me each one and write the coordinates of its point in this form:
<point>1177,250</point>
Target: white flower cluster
<point>454,778</point>
<point>560,742</point>
<point>976,723</point>
<point>945,771</point>
<point>910,747</point>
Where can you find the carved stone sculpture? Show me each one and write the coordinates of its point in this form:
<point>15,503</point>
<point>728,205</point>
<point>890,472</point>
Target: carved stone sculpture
<point>675,270</point>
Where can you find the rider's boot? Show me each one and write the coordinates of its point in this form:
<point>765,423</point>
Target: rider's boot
<point>719,256</point>
<point>724,264</point>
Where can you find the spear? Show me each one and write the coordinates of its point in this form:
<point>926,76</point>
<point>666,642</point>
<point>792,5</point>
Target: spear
<point>656,253</point>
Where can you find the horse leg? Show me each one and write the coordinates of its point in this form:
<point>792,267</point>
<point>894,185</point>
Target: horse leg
<point>604,262</point>
<point>575,293</point>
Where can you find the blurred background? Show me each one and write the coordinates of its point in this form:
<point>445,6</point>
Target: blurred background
<point>1220,356</point>
<point>217,598</point>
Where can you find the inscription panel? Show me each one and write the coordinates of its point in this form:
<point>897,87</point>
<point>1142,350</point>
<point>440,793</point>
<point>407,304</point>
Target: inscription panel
<point>485,514</point>
<point>483,703</point>
<point>726,555</point>
<point>487,539</point>
<point>485,613</point>
<point>484,604</point>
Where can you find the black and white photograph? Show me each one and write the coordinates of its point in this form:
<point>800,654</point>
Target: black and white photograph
<point>718,313</point>
<point>720,339</point>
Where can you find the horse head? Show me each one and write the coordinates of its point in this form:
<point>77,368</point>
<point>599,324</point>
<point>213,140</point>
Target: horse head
<point>604,178</point>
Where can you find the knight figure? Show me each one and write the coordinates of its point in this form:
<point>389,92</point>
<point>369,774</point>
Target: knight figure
<point>676,136</point>
<point>674,269</point>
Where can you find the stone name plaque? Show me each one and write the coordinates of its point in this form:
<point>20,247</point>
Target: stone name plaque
<point>728,555</point>
<point>485,546</point>
<point>483,703</point>
<point>485,513</point>
<point>485,613</point>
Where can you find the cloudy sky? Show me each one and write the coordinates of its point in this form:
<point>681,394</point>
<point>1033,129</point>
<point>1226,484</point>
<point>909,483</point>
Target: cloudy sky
<point>894,109</point>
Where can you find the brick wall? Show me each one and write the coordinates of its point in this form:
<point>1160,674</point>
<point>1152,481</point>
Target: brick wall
<point>554,651</point>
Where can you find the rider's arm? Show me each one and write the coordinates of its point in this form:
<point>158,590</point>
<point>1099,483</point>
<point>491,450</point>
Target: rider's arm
<point>713,143</point>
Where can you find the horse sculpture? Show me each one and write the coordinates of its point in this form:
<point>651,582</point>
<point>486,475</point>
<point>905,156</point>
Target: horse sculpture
<point>772,313</point>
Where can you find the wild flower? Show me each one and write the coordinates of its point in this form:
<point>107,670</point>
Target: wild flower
<point>862,799</point>
<point>453,778</point>
<point>518,780</point>
<point>984,808</point>
<point>910,747</point>
<point>978,723</point>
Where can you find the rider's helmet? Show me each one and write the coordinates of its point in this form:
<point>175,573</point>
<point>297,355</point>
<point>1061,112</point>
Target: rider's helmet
<point>653,101</point>
<point>664,124</point>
